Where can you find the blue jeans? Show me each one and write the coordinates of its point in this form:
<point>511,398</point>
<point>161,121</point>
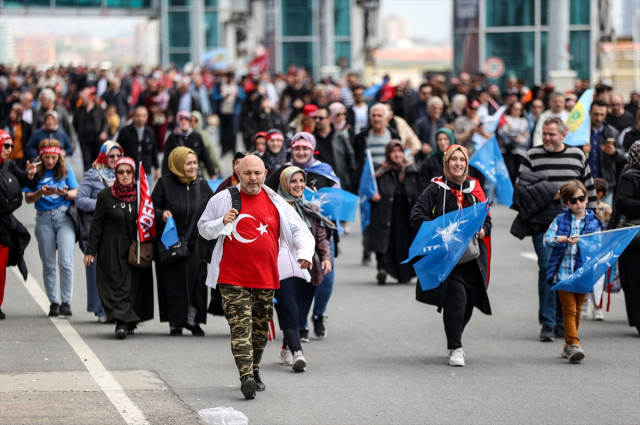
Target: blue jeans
<point>550,310</point>
<point>324,290</point>
<point>55,230</point>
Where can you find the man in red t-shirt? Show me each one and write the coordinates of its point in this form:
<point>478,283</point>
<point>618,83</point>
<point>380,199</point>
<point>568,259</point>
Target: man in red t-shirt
<point>245,262</point>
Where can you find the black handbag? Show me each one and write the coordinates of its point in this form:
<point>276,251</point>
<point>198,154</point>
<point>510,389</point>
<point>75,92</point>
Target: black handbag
<point>204,247</point>
<point>178,252</point>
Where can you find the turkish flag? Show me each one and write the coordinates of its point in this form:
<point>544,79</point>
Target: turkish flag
<point>146,212</point>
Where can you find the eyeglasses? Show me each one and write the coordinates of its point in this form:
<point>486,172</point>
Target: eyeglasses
<point>124,172</point>
<point>115,155</point>
<point>473,109</point>
<point>8,146</point>
<point>319,118</point>
<point>574,201</point>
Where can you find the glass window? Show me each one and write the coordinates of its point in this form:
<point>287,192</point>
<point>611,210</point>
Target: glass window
<point>342,25</point>
<point>210,3</point>
<point>297,17</point>
<point>75,3</point>
<point>465,48</point>
<point>343,53</point>
<point>544,12</point>
<point>466,14</point>
<point>299,54</point>
<point>211,29</point>
<point>517,52</point>
<point>179,59</point>
<point>178,2</point>
<point>543,57</point>
<point>580,50</point>
<point>510,13</point>
<point>179,29</point>
<point>133,4</point>
<point>579,12</point>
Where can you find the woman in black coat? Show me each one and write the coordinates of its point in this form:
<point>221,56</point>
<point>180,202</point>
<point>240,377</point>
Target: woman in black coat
<point>183,135</point>
<point>390,209</point>
<point>432,166</point>
<point>465,287</point>
<point>182,293</point>
<point>627,203</point>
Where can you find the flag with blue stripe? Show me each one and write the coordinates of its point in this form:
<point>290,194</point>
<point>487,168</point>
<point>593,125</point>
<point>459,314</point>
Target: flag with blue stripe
<point>489,161</point>
<point>443,241</point>
<point>579,121</point>
<point>599,251</point>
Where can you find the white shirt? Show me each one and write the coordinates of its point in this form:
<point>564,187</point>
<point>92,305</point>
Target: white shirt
<point>361,117</point>
<point>27,116</point>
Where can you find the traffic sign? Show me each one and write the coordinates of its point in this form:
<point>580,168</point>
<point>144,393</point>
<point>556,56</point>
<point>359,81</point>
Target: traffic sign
<point>493,67</point>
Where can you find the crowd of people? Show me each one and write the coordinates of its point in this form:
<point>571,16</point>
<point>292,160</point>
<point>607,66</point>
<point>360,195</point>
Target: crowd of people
<point>299,134</point>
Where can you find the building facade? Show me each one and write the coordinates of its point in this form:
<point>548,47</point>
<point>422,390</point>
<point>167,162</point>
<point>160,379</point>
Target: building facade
<point>517,32</point>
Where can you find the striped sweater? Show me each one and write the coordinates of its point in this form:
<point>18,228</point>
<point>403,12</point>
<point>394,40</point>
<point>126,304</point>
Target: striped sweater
<point>560,167</point>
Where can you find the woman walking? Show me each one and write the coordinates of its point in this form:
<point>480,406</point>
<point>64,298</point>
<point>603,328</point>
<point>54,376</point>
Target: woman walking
<point>465,287</point>
<point>390,210</point>
<point>182,293</point>
<point>126,291</point>
<point>515,138</point>
<point>14,237</point>
<point>296,294</point>
<point>55,230</point>
<point>102,175</point>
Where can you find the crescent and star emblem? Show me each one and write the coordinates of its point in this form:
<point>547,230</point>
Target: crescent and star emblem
<point>262,229</point>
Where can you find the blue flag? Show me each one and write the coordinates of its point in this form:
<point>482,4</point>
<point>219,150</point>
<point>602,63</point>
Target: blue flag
<point>579,121</point>
<point>443,241</point>
<point>489,161</point>
<point>335,204</point>
<point>170,234</point>
<point>367,189</point>
<point>599,252</point>
<point>214,184</point>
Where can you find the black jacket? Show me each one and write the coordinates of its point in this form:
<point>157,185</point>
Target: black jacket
<point>533,199</point>
<point>145,151</point>
<point>119,99</point>
<point>630,137</point>
<point>342,157</point>
<point>27,130</point>
<point>627,200</point>
<point>611,166</point>
<point>430,168</point>
<point>382,211</point>
<point>192,141</point>
<point>360,146</point>
<point>174,104</point>
<point>416,111</point>
<point>99,119</point>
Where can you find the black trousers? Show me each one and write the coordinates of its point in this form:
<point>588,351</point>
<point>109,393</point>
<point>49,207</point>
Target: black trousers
<point>464,288</point>
<point>90,152</point>
<point>512,161</point>
<point>630,281</point>
<point>293,302</point>
<point>227,134</point>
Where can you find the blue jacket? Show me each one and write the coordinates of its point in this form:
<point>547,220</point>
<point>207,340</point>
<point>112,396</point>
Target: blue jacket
<point>33,145</point>
<point>592,225</point>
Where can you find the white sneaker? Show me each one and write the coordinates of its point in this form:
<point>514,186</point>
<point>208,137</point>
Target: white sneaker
<point>286,356</point>
<point>456,357</point>
<point>299,362</point>
<point>598,315</point>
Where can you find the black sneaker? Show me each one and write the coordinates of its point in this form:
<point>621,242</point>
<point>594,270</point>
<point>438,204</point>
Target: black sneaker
<point>546,334</point>
<point>304,335</point>
<point>318,326</point>
<point>176,332</point>
<point>121,330</point>
<point>65,309</point>
<point>195,330</point>
<point>381,277</point>
<point>2,315</point>
<point>54,310</point>
<point>260,386</point>
<point>248,387</point>
<point>559,331</point>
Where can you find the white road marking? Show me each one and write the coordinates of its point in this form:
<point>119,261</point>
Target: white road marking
<point>529,256</point>
<point>111,388</point>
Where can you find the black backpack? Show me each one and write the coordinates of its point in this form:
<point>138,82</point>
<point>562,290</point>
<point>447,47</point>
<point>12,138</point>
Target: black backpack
<point>204,248</point>
<point>10,191</point>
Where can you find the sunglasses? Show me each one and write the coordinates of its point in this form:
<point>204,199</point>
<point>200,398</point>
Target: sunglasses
<point>115,155</point>
<point>124,172</point>
<point>8,145</point>
<point>474,109</point>
<point>319,118</point>
<point>574,201</point>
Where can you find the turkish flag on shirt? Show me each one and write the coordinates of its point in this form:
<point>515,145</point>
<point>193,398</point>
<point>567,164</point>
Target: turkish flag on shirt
<point>146,212</point>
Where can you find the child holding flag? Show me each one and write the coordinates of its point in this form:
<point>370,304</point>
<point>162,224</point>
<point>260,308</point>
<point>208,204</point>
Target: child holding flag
<point>565,258</point>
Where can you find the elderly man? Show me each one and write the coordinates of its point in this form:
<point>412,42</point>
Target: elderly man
<point>50,130</point>
<point>26,100</point>
<point>427,126</point>
<point>556,109</point>
<point>537,199</point>
<point>245,262</point>
<point>618,118</point>
<point>374,138</point>
<point>604,151</point>
<point>48,103</point>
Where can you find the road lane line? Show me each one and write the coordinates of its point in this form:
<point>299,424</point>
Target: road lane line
<point>529,256</point>
<point>112,389</point>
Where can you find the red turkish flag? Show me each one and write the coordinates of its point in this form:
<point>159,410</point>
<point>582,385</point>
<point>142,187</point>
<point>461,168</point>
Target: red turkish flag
<point>146,212</point>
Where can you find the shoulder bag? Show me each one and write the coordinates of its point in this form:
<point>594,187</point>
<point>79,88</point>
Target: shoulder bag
<point>177,253</point>
<point>204,247</point>
<point>146,248</point>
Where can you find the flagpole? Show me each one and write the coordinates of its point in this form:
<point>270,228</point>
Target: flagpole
<point>606,231</point>
<point>138,211</point>
<point>373,174</point>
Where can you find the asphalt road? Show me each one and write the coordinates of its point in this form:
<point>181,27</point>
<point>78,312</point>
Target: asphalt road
<point>383,362</point>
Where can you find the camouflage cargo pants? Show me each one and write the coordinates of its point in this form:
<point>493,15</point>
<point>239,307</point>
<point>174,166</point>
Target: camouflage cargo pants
<point>248,312</point>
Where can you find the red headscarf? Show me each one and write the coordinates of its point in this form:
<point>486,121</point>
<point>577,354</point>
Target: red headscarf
<point>125,193</point>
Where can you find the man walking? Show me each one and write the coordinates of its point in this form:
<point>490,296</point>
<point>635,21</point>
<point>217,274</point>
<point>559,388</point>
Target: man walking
<point>139,142</point>
<point>537,199</point>
<point>245,262</point>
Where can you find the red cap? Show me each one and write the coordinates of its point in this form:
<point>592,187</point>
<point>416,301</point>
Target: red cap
<point>309,110</point>
<point>4,136</point>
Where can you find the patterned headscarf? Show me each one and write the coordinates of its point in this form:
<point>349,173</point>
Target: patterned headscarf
<point>633,160</point>
<point>125,193</point>
<point>103,156</point>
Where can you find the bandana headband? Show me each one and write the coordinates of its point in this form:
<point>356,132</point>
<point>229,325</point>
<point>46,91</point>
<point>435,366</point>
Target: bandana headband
<point>274,135</point>
<point>50,150</point>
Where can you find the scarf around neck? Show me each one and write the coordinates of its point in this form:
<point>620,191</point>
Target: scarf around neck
<point>125,193</point>
<point>389,165</point>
